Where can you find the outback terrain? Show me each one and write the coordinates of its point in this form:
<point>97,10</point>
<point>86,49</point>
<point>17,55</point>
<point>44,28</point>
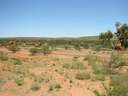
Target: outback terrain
<point>62,70</point>
<point>63,48</point>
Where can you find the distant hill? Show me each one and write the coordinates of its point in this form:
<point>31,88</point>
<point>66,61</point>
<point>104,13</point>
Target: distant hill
<point>49,38</point>
<point>89,38</point>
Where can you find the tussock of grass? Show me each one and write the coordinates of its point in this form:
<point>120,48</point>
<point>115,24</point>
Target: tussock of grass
<point>19,81</point>
<point>17,62</point>
<point>74,65</point>
<point>116,61</point>
<point>35,87</point>
<point>39,79</point>
<point>54,86</point>
<point>3,56</point>
<point>100,77</point>
<point>82,76</point>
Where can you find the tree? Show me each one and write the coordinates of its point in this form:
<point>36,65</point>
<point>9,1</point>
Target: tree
<point>46,49</point>
<point>109,35</point>
<point>122,34</point>
<point>34,51</point>
<point>77,47</point>
<point>106,38</point>
<point>14,48</point>
<point>102,36</point>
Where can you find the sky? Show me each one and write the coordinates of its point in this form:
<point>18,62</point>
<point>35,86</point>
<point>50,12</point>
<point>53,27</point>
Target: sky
<point>60,18</point>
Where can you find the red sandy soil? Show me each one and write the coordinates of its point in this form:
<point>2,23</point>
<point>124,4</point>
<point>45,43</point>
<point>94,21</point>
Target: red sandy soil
<point>6,94</point>
<point>75,90</point>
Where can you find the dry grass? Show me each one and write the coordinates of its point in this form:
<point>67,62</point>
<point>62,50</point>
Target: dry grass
<point>49,74</point>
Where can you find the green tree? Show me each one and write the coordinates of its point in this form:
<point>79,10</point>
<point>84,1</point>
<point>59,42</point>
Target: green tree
<point>46,49</point>
<point>106,38</point>
<point>34,51</point>
<point>122,34</point>
<point>14,48</point>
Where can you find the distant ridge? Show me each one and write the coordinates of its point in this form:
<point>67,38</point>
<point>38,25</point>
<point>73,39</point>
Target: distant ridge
<point>53,38</point>
<point>89,37</point>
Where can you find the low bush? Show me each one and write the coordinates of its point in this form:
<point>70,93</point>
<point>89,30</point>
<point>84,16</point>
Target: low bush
<point>19,81</point>
<point>82,76</point>
<point>100,77</point>
<point>13,48</point>
<point>74,65</point>
<point>66,47</point>
<point>2,81</point>
<point>34,51</point>
<point>3,56</point>
<point>77,47</point>
<point>116,61</point>
<point>100,68</point>
<point>17,62</point>
<point>45,49</point>
<point>35,87</point>
<point>97,47</point>
<point>118,86</point>
<point>85,46</point>
<point>54,86</point>
<point>118,91</point>
<point>97,93</point>
<point>39,79</point>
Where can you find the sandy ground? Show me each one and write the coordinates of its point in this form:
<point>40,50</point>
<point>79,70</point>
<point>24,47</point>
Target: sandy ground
<point>78,88</point>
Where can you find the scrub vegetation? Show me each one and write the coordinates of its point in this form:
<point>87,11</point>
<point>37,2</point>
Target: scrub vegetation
<point>95,65</point>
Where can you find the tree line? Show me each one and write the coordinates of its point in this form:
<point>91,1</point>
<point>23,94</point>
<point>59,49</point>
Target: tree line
<point>116,40</point>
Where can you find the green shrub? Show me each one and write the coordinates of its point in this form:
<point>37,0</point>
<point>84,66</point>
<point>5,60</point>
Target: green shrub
<point>119,85</point>
<point>82,76</point>
<point>100,68</point>
<point>77,47</point>
<point>100,77</point>
<point>85,46</point>
<point>116,61</point>
<point>54,86</point>
<point>97,93</point>
<point>66,47</point>
<point>19,81</point>
<point>3,56</point>
<point>117,64</point>
<point>34,51</point>
<point>120,79</point>
<point>46,49</point>
<point>115,90</point>
<point>97,48</point>
<point>2,81</point>
<point>17,62</point>
<point>91,58</point>
<point>118,91</point>
<point>13,48</point>
<point>39,79</point>
<point>77,65</point>
<point>66,65</point>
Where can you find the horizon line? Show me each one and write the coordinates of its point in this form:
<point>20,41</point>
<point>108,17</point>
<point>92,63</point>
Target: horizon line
<point>47,36</point>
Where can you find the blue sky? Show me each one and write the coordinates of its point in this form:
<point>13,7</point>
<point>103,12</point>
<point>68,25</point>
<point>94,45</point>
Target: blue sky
<point>60,18</point>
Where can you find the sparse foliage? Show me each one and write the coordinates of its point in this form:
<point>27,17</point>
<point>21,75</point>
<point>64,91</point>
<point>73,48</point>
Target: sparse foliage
<point>122,34</point>
<point>13,48</point>
<point>106,38</point>
<point>82,76</point>
<point>45,49</point>
<point>3,56</point>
